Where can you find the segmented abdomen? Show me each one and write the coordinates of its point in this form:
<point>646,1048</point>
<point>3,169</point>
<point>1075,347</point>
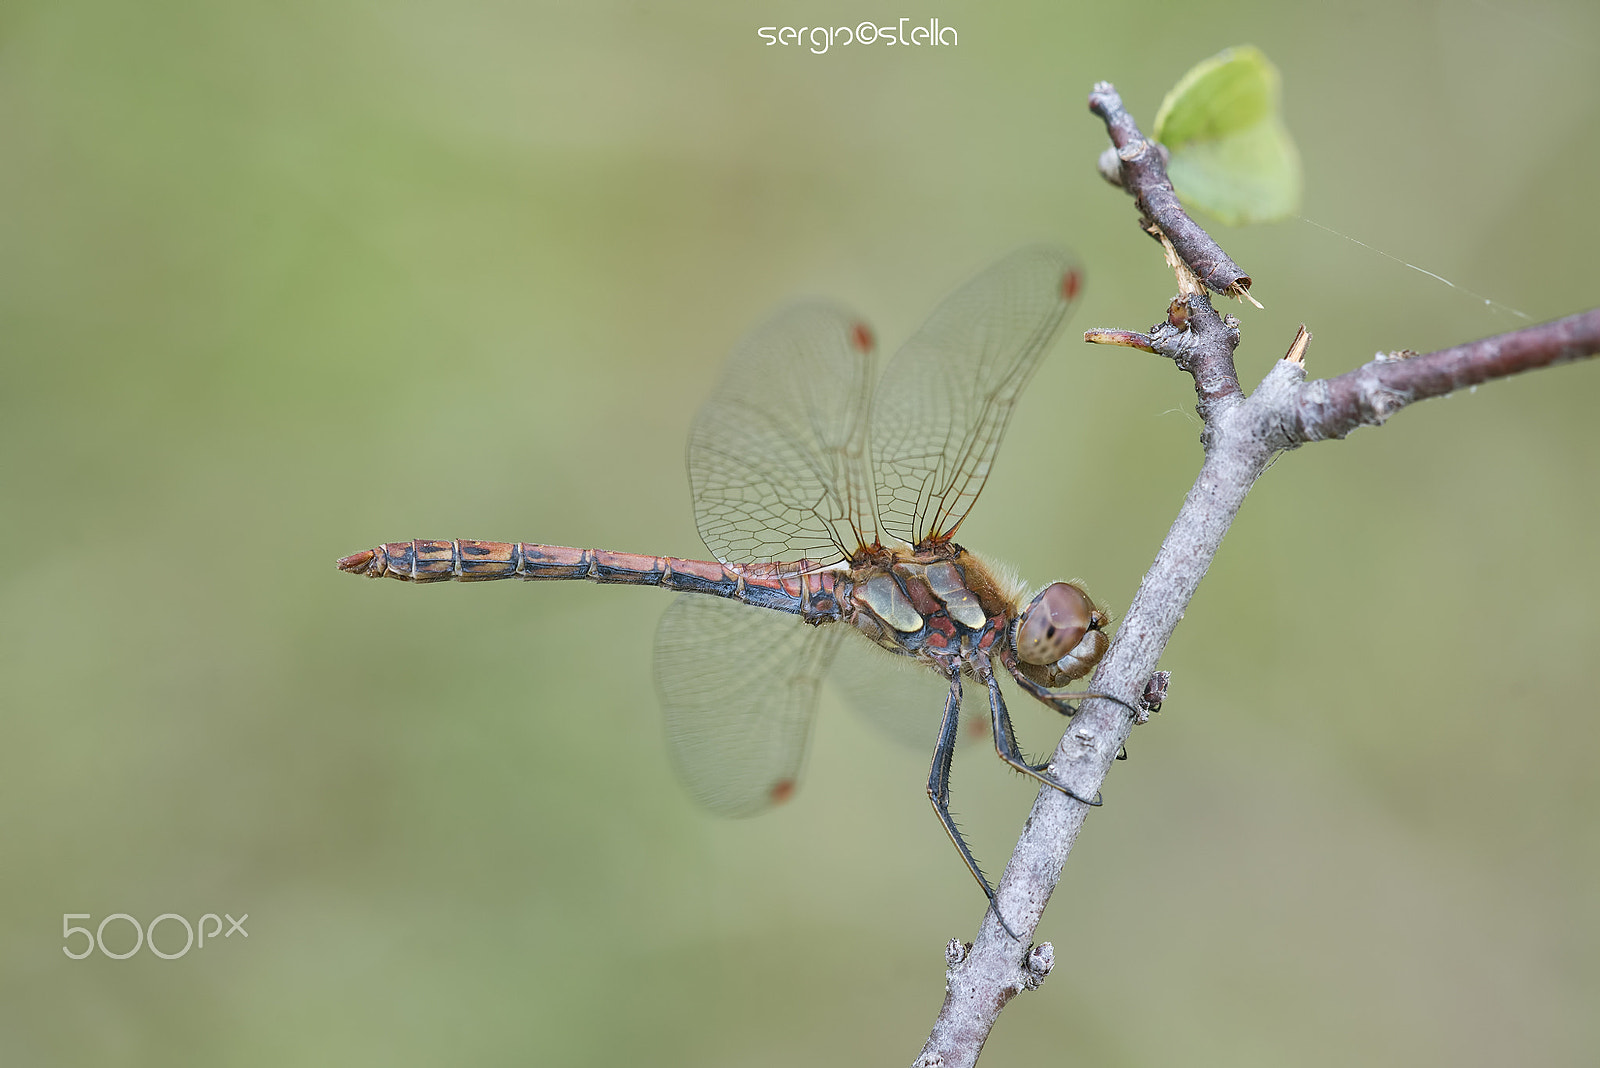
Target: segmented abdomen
<point>789,586</point>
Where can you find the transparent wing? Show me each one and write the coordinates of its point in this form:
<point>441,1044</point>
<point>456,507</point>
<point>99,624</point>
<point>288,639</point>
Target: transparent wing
<point>777,454</point>
<point>901,698</point>
<point>947,395</point>
<point>739,687</point>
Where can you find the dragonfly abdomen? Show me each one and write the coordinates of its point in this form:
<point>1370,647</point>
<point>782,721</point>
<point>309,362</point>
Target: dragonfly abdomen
<point>796,587</point>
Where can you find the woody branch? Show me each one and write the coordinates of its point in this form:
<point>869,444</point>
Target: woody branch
<point>1241,436</point>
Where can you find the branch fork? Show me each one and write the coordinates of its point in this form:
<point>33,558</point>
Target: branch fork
<point>1242,434</point>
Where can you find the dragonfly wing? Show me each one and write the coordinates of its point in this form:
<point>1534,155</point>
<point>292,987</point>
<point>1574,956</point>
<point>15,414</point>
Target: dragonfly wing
<point>739,687</point>
<point>947,395</point>
<point>901,698</point>
<point>778,453</point>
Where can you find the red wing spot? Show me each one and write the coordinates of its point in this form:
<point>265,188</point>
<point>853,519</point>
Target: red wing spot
<point>1071,283</point>
<point>781,791</point>
<point>978,728</point>
<point>861,338</point>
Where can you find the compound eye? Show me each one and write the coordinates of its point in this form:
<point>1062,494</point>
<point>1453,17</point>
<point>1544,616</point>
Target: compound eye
<point>1054,623</point>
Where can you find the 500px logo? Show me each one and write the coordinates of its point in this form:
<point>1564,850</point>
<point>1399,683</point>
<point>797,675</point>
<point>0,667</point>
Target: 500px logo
<point>822,38</point>
<point>143,936</point>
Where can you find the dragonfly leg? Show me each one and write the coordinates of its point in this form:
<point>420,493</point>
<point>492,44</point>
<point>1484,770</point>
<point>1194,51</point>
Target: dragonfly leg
<point>1005,738</point>
<point>1059,701</point>
<point>939,793</point>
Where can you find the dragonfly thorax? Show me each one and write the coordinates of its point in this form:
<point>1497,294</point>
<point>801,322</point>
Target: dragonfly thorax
<point>932,604</point>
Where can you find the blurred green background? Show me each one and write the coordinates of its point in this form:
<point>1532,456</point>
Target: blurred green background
<point>281,281</point>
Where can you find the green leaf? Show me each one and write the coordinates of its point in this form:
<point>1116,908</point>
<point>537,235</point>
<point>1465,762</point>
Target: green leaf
<point>1230,151</point>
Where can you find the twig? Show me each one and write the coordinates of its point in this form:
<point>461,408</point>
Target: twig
<point>1374,391</point>
<point>1242,435</point>
<point>1144,174</point>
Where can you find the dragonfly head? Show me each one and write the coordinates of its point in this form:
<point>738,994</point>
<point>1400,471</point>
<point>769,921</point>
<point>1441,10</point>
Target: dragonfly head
<point>1062,628</point>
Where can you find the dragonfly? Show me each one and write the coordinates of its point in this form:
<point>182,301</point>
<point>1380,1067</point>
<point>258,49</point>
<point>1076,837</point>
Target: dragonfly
<point>830,499</point>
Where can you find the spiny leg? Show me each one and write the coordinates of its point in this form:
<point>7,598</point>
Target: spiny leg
<point>939,792</point>
<point>1150,702</point>
<point>1059,701</point>
<point>1005,738</point>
